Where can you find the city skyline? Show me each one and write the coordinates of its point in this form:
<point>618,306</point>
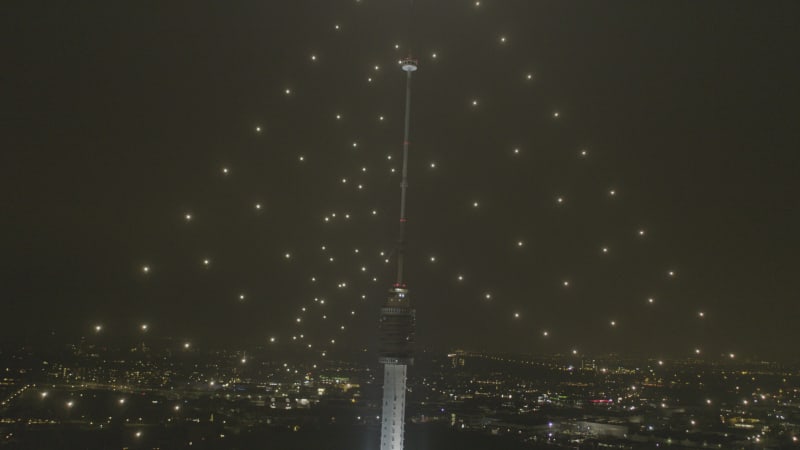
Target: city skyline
<point>608,178</point>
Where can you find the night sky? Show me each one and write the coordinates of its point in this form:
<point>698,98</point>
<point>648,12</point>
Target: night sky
<point>616,151</point>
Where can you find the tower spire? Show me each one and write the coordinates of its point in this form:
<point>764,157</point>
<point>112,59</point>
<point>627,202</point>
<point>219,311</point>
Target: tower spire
<point>409,66</point>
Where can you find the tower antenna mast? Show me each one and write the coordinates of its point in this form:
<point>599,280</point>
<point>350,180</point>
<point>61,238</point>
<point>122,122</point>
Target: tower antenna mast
<point>409,66</point>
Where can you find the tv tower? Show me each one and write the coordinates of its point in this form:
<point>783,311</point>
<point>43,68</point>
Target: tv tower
<point>397,315</point>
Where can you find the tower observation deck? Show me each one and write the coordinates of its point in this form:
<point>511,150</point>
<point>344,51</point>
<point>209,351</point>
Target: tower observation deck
<point>397,316</point>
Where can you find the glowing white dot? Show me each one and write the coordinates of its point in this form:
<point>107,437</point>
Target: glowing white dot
<point>545,333</point>
<point>671,273</point>
<point>433,55</point>
<point>380,118</point>
<point>374,213</point>
<point>574,352</point>
<point>487,296</point>
<point>287,255</point>
<point>186,345</point>
<point>477,3</point>
<point>565,283</point>
<point>360,186</point>
<point>144,327</point>
<point>640,232</point>
<point>336,27</point>
<point>697,351</point>
<point>613,323</point>
<point>396,46</point>
<point>241,296</point>
<point>344,180</point>
<point>651,300</point>
<point>584,152</point>
<point>520,243</point>
<point>355,144</point>
<point>258,205</point>
<point>206,262</point>
<point>612,192</point>
<point>516,315</point>
<point>389,157</point>
<point>701,314</point>
<point>474,102</point>
<point>502,39</point>
<point>433,259</point>
<point>516,151</point>
<point>731,355</point>
<point>432,165</point>
<point>605,249</point>
<point>529,76</point>
<point>225,170</point>
<point>145,269</point>
<point>313,57</point>
<point>559,200</point>
<point>474,204</point>
<point>287,91</point>
<point>369,80</point>
<point>258,129</point>
<point>98,328</point>
<point>460,277</point>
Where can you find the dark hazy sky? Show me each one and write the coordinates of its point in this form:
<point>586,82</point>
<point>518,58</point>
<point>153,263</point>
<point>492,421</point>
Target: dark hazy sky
<point>117,119</point>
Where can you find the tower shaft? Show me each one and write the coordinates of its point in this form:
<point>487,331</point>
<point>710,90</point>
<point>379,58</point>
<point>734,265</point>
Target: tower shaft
<point>393,412</point>
<point>397,316</point>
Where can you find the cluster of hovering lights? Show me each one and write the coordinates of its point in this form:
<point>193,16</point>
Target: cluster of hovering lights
<point>369,270</point>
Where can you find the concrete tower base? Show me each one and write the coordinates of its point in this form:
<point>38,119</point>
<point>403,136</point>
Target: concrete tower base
<point>394,406</point>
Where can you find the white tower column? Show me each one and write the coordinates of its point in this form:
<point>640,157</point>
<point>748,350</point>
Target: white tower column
<point>394,406</point>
